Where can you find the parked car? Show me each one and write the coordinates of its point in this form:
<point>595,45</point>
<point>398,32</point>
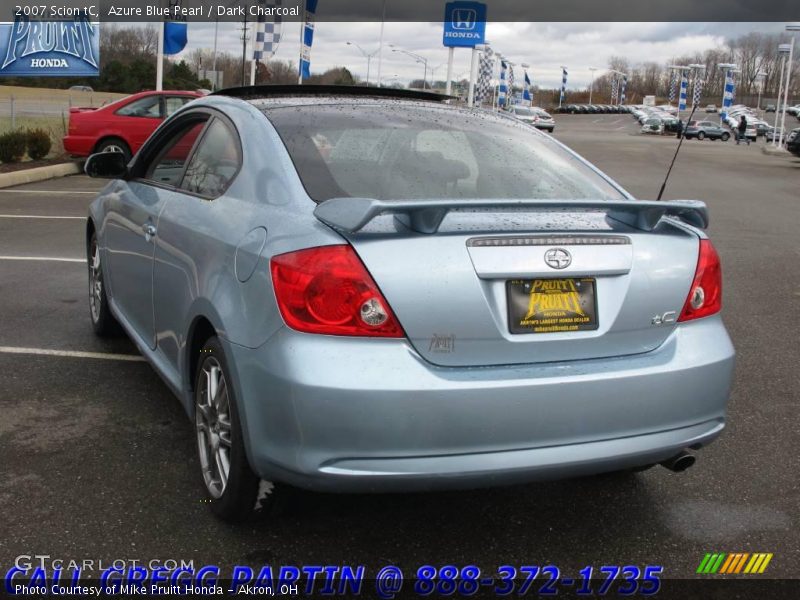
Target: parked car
<point>706,129</point>
<point>793,141</point>
<point>330,282</point>
<point>653,125</point>
<point>711,108</point>
<point>80,88</point>
<point>770,108</point>
<point>772,134</point>
<point>121,126</point>
<point>535,116</point>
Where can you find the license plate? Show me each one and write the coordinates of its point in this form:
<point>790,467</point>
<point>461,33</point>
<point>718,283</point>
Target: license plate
<point>551,305</point>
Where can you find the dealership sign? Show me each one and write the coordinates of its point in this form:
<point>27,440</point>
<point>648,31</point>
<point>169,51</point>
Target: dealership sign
<point>50,48</point>
<point>464,24</point>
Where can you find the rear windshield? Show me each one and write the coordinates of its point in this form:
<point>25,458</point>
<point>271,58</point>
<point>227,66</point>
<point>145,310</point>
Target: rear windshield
<point>397,151</point>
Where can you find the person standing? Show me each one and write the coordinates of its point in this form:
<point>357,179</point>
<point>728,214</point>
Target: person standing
<point>742,131</point>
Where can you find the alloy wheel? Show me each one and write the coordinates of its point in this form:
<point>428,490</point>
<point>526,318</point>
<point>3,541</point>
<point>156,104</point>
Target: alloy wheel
<point>213,423</point>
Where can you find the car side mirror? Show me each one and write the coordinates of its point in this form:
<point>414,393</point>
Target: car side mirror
<point>106,165</point>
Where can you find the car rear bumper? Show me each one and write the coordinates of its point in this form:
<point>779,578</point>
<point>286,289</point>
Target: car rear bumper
<point>78,145</point>
<point>351,414</point>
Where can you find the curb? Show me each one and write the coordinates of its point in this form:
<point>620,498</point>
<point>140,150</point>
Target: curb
<point>39,174</point>
<point>771,150</point>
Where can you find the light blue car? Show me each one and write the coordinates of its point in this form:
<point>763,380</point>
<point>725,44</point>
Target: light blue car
<point>359,289</point>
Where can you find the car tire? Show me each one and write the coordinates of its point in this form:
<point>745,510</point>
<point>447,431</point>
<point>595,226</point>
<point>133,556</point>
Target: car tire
<point>725,137</point>
<point>701,135</point>
<point>234,492</point>
<point>103,322</point>
<point>114,144</point>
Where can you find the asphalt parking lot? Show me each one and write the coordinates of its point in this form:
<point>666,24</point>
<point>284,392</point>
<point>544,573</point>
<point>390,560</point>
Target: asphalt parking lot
<point>97,458</point>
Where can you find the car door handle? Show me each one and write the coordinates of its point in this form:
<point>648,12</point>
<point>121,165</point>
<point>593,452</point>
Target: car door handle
<point>149,231</point>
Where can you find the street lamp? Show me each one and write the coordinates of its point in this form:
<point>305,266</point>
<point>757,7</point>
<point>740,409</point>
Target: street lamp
<point>417,58</point>
<point>783,50</point>
<point>366,55</point>
<point>591,87</point>
<point>791,28</point>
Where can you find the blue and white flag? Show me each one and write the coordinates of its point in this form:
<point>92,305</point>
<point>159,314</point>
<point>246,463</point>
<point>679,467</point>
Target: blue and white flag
<point>308,40</point>
<point>563,86</point>
<point>175,30</point>
<point>733,87</point>
<point>622,92</point>
<point>526,89</point>
<point>672,80</point>
<point>503,91</point>
<point>684,85</point>
<point>727,97</point>
<point>268,33</point>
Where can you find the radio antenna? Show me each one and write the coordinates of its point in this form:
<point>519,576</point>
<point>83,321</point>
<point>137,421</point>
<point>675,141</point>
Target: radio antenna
<point>678,149</point>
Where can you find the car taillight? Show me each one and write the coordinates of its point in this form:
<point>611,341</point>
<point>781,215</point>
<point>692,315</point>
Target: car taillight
<point>328,290</point>
<point>705,295</point>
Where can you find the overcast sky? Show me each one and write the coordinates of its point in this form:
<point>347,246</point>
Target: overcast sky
<point>545,46</point>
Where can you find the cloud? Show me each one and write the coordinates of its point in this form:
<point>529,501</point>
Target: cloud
<point>545,46</point>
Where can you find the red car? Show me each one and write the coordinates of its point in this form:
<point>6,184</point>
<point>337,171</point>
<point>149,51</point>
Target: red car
<point>122,126</point>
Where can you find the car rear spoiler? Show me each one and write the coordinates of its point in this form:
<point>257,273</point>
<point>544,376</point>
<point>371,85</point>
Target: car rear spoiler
<point>424,216</point>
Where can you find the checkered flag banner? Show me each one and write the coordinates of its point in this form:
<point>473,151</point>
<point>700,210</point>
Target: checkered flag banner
<point>511,79</point>
<point>697,91</point>
<point>672,80</point>
<point>526,89</point>
<point>684,85</point>
<point>484,84</point>
<point>563,86</point>
<point>268,33</point>
<point>614,90</point>
<point>622,92</point>
<point>503,91</point>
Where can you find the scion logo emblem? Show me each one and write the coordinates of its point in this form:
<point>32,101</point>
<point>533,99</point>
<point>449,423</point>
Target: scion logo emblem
<point>464,19</point>
<point>558,258</point>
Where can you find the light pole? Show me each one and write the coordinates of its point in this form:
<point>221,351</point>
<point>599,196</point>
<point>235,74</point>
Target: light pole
<point>783,50</point>
<point>591,87</point>
<point>366,55</point>
<point>791,28</point>
<point>417,58</point>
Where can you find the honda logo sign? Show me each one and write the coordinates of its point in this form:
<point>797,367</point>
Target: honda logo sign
<point>464,24</point>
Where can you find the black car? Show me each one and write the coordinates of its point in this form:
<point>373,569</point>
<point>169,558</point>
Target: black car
<point>793,142</point>
<point>706,129</point>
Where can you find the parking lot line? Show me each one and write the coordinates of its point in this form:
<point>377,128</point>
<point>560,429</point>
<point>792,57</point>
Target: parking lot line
<point>44,258</point>
<point>71,353</point>
<point>38,217</point>
<point>62,192</point>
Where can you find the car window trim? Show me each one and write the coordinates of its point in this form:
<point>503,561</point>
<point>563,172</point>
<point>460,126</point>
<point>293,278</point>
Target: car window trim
<point>160,109</point>
<point>228,124</point>
<point>143,159</point>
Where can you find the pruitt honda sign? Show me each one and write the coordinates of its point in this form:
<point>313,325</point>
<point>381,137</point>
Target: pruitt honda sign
<point>464,24</point>
<point>50,48</point>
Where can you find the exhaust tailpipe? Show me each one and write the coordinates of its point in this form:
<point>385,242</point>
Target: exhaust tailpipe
<point>680,462</point>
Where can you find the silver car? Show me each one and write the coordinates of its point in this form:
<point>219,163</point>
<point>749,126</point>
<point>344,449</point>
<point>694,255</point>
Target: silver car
<point>370,290</point>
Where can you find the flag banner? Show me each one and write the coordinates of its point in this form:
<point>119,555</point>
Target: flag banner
<point>727,98</point>
<point>268,33</point>
<point>175,30</point>
<point>503,90</point>
<point>526,89</point>
<point>614,90</point>
<point>684,85</point>
<point>484,84</point>
<point>511,79</point>
<point>622,93</point>
<point>563,86</point>
<point>672,80</point>
<point>697,91</point>
<point>308,39</point>
<point>733,87</point>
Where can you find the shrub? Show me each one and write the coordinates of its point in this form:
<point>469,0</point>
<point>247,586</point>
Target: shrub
<point>38,143</point>
<point>12,146</point>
